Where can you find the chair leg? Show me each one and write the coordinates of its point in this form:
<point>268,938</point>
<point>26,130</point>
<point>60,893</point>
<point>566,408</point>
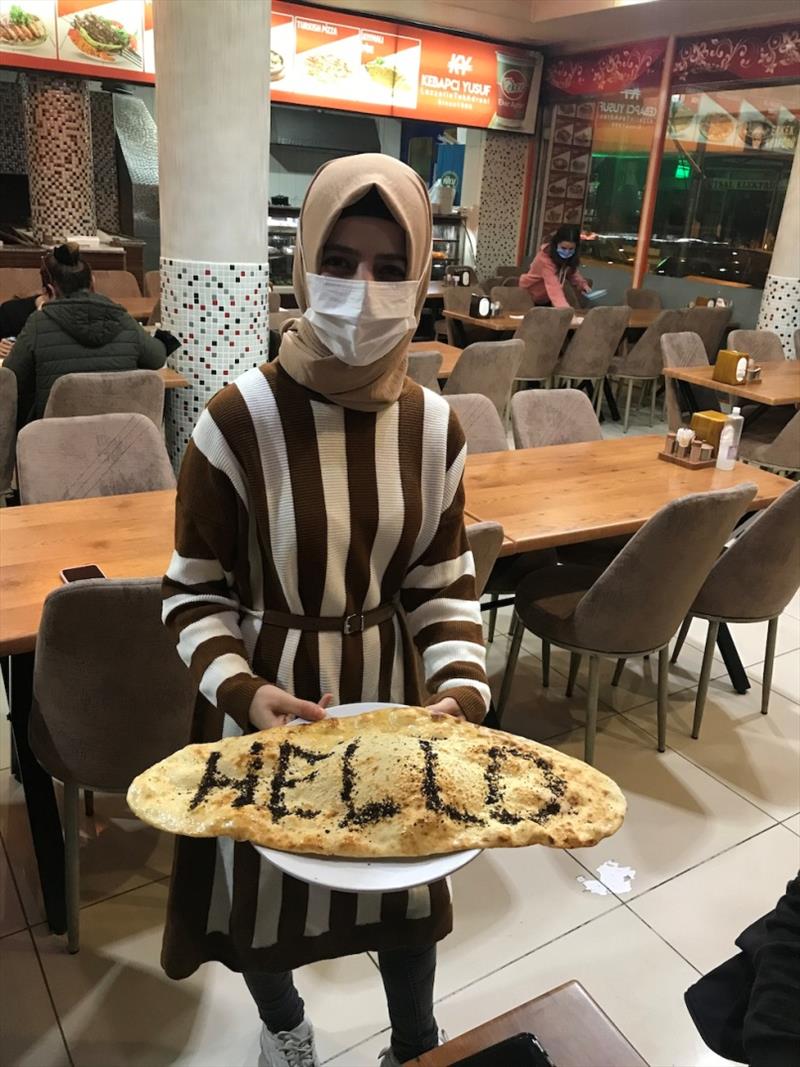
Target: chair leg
<point>663,701</point>
<point>682,635</point>
<point>574,667</point>
<point>626,417</point>
<point>598,396</point>
<point>511,665</point>
<point>545,663</point>
<point>493,618</point>
<point>72,846</point>
<point>705,674</point>
<point>653,398</point>
<point>620,667</point>
<point>88,802</point>
<point>769,660</point>
<point>591,708</point>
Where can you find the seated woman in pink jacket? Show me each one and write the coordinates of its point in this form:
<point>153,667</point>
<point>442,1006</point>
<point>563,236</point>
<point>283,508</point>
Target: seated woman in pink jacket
<point>556,262</point>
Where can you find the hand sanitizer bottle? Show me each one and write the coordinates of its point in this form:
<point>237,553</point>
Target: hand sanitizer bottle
<point>729,440</point>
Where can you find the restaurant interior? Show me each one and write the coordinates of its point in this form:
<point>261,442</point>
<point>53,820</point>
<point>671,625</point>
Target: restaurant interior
<point>433,393</point>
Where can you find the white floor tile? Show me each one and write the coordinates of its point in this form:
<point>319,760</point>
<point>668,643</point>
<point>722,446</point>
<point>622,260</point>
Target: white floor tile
<point>756,755</point>
<point>701,913</point>
<point>508,902</point>
<point>29,1033</point>
<point>12,917</point>
<point>117,1006</point>
<point>794,824</point>
<point>785,675</point>
<point>635,977</point>
<point>793,607</point>
<point>677,815</point>
<point>118,852</point>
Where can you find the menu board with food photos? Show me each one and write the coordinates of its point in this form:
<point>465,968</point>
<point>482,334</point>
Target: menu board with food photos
<point>568,164</point>
<point>317,57</point>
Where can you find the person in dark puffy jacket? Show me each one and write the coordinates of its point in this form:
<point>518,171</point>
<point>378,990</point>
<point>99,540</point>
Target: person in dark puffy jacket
<point>76,331</point>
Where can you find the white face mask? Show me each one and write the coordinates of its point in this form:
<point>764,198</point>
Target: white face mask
<point>360,321</point>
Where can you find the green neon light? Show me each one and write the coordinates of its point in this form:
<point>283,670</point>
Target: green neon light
<point>682,170</point>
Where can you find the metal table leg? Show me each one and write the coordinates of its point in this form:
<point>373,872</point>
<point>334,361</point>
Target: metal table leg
<point>40,800</point>
<point>730,656</point>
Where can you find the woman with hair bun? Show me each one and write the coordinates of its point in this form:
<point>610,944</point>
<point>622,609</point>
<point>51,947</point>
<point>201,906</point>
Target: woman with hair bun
<point>77,330</point>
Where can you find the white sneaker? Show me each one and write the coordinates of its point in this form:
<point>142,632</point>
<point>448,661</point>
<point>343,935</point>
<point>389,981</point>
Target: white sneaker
<point>388,1058</point>
<point>289,1048</point>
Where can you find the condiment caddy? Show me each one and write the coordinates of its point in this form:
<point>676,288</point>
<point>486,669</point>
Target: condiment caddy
<point>706,443</point>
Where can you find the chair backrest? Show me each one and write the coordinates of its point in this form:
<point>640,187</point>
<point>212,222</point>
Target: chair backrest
<point>485,541</point>
<point>8,426</point>
<point>274,300</point>
<point>763,345</point>
<point>796,338</point>
<point>642,298</point>
<point>423,368</point>
<point>458,297</point>
<point>512,299</point>
<point>685,349</point>
<point>644,358</point>
<point>112,695</point>
<point>542,417</point>
<point>482,426</point>
<point>91,455</point>
<point>487,367</point>
<point>19,281</point>
<point>643,596</point>
<point>783,452</point>
<point>152,283</point>
<point>512,280</point>
<point>542,332</point>
<point>594,343</point>
<point>107,391</point>
<point>114,283</point>
<point>759,574</point>
<point>710,323</point>
<point>507,270</point>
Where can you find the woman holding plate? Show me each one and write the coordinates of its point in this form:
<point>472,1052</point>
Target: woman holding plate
<point>319,538</point>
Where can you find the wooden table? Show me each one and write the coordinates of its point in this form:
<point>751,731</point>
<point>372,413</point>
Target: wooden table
<point>173,379</point>
<point>570,1026</point>
<point>638,319</point>
<point>449,354</point>
<point>140,307</point>
<point>780,382</point>
<point>565,494</point>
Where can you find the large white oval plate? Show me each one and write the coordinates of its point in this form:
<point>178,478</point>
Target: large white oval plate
<point>368,875</point>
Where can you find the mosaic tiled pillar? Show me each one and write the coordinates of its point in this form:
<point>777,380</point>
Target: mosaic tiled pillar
<point>213,196</point>
<point>505,161</point>
<point>58,141</point>
<point>106,186</point>
<point>12,135</point>
<point>780,304</point>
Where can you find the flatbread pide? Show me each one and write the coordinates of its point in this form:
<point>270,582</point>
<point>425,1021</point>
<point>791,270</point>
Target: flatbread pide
<point>398,782</point>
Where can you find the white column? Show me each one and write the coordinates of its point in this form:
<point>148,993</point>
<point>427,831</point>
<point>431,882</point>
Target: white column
<point>780,305</point>
<point>212,106</point>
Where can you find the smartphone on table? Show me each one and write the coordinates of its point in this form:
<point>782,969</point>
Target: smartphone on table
<point>521,1050</point>
<point>80,574</point>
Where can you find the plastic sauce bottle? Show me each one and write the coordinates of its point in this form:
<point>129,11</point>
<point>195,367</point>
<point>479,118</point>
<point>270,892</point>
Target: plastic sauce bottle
<point>729,440</point>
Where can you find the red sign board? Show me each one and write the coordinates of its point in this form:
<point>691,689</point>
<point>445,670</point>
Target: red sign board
<point>318,57</point>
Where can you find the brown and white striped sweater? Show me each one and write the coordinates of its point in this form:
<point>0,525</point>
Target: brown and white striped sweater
<point>289,503</point>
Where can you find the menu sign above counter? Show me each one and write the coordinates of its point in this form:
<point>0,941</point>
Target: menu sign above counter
<point>317,57</point>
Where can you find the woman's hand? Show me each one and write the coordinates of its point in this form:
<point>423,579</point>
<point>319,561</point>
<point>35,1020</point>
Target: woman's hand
<point>272,706</point>
<point>5,347</point>
<point>447,706</point>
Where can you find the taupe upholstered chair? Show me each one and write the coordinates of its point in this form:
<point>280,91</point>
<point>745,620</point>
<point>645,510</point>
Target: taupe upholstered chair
<point>710,323</point>
<point>752,581</point>
<point>512,279</point>
<point>485,541</point>
<point>773,444</point>
<point>115,283</point>
<point>642,298</point>
<point>125,391</point>
<point>593,345</point>
<point>111,698</point>
<point>487,367</point>
<point>543,332</point>
<point>274,300</point>
<point>763,345</point>
<point>458,298</point>
<point>19,281</point>
<point>553,417</point>
<point>796,338</point>
<point>152,283</point>
<point>685,349</point>
<point>8,427</point>
<point>423,368</point>
<point>154,318</point>
<point>90,455</point>
<point>512,299</point>
<point>634,607</point>
<point>507,270</point>
<point>482,426</point>
<point>642,363</point>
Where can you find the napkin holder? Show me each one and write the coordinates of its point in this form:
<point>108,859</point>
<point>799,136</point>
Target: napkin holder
<point>708,425</point>
<point>480,307</point>
<point>731,367</point>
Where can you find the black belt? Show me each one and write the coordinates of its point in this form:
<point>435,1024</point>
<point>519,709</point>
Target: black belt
<point>345,624</point>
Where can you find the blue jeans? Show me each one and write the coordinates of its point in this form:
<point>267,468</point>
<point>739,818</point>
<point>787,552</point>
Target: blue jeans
<point>407,975</point>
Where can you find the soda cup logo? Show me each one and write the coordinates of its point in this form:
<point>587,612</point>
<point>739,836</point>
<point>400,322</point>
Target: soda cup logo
<point>514,84</point>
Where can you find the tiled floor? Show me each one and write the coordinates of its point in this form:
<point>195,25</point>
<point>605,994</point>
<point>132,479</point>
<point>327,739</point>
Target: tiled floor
<point>712,833</point>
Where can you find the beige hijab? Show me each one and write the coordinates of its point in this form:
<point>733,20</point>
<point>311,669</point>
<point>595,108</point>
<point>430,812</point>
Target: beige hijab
<point>334,187</point>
